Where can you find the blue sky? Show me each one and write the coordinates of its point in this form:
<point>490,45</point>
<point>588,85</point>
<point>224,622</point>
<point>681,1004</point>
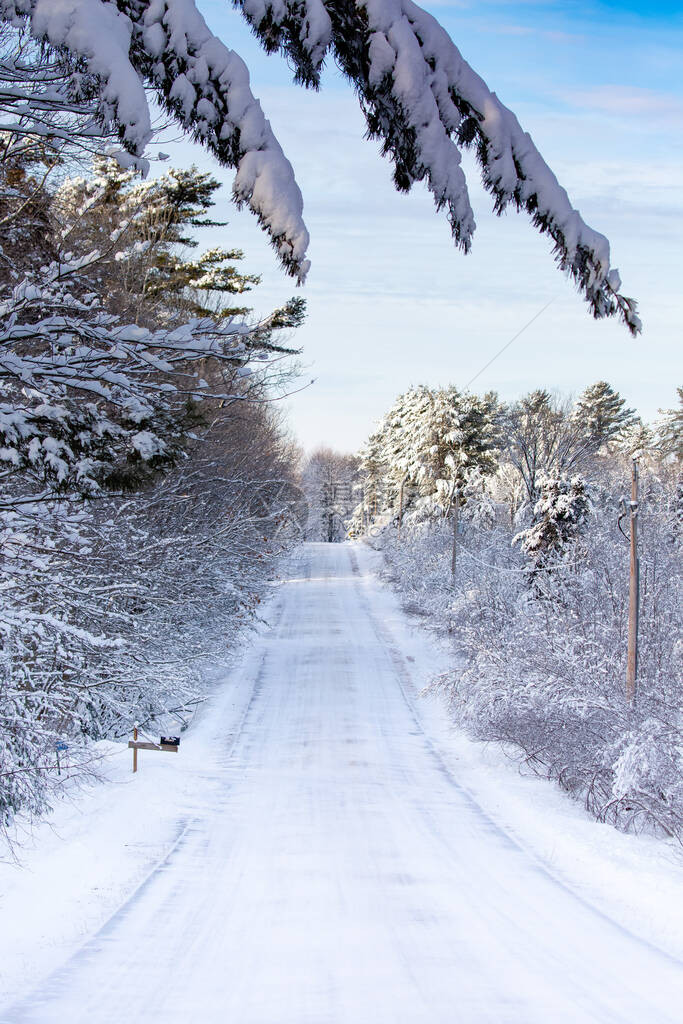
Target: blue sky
<point>392,303</point>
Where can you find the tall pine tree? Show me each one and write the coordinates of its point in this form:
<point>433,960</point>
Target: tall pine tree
<point>155,222</point>
<point>670,431</point>
<point>602,414</point>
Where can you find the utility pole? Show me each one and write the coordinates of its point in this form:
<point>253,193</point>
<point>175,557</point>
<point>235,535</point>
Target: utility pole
<point>454,555</point>
<point>633,591</point>
<point>400,510</point>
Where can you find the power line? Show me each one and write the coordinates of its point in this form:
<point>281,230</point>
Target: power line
<point>555,567</point>
<point>507,344</point>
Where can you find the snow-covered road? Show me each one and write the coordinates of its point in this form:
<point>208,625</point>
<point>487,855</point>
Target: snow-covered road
<point>333,869</point>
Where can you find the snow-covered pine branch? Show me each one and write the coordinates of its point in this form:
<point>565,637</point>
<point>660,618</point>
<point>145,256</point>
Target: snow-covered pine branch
<point>46,103</point>
<point>166,45</point>
<point>422,99</point>
<point>89,400</point>
<point>419,96</point>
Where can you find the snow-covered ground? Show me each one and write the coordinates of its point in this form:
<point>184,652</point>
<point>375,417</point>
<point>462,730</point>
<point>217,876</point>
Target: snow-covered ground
<point>325,848</point>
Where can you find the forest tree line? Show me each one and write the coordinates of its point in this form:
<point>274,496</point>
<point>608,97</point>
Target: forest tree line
<point>535,595</point>
<point>148,482</point>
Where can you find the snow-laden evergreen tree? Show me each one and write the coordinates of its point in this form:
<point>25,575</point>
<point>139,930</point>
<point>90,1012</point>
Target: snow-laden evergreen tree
<point>111,210</point>
<point>670,431</point>
<point>635,440</point>
<point>428,444</point>
<point>417,423</point>
<point>372,465</point>
<point>560,514</point>
<point>418,94</point>
<point>602,414</point>
<point>105,353</point>
<point>450,436</point>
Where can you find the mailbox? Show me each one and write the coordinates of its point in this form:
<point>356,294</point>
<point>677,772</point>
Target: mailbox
<point>168,743</point>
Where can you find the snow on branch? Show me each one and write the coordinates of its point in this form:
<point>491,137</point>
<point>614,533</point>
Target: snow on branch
<point>417,93</point>
<point>91,400</point>
<point>422,99</point>
<point>166,44</point>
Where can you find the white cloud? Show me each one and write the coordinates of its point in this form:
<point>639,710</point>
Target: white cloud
<point>629,101</point>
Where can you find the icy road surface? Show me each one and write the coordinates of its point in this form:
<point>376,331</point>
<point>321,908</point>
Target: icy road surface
<point>334,870</point>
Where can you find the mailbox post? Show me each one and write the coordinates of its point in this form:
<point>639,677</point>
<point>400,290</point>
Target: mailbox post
<point>169,744</point>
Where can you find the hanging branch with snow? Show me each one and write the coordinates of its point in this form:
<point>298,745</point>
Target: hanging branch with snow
<point>418,94</point>
<point>166,45</point>
<point>426,104</point>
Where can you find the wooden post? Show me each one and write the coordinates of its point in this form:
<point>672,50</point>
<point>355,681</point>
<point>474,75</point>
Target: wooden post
<point>456,503</point>
<point>400,511</point>
<point>633,592</point>
<point>170,744</point>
